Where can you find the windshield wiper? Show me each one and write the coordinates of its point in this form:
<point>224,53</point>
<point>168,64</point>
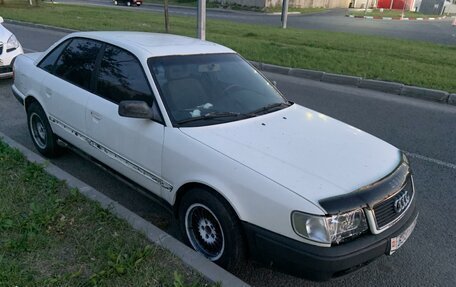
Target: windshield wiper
<point>210,116</point>
<point>269,108</point>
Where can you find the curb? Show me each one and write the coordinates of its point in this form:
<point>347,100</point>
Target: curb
<point>452,99</point>
<point>280,13</point>
<point>425,94</point>
<point>308,74</point>
<point>376,85</point>
<point>210,271</point>
<point>275,69</point>
<point>43,26</point>
<point>340,79</point>
<point>395,18</point>
<point>382,86</point>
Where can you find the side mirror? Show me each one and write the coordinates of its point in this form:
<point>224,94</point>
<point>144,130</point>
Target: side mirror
<point>1,20</point>
<point>139,110</point>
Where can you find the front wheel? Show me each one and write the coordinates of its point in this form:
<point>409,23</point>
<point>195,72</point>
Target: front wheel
<point>44,140</point>
<point>211,227</point>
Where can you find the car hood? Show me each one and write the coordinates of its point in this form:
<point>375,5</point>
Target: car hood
<point>4,34</point>
<point>308,153</point>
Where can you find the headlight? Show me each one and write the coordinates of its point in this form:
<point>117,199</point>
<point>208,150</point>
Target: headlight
<point>329,229</point>
<point>12,44</point>
<point>405,158</point>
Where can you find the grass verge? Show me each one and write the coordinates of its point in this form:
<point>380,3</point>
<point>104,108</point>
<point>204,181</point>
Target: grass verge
<point>51,235</point>
<point>409,62</point>
<point>233,6</point>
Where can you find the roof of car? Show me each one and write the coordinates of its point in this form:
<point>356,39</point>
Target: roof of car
<point>155,44</point>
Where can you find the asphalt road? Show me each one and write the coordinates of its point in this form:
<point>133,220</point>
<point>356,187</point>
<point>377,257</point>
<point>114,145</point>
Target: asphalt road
<point>438,31</point>
<point>424,129</point>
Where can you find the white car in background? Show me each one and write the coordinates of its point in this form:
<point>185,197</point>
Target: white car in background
<point>246,171</point>
<point>10,48</point>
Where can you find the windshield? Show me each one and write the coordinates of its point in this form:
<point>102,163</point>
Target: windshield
<point>213,88</point>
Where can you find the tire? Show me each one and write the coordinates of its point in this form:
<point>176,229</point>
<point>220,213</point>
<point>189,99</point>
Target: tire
<point>44,140</point>
<point>220,236</point>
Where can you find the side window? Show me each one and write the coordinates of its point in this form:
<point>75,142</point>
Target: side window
<point>48,62</point>
<point>77,62</point>
<point>121,77</point>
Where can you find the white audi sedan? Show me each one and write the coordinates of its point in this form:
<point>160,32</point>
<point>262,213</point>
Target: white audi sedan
<point>10,48</point>
<point>246,172</point>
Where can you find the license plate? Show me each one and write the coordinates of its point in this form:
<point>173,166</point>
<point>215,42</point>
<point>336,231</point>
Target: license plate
<point>396,242</point>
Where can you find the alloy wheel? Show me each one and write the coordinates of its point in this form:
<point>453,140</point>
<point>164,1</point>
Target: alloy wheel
<point>204,231</point>
<point>38,131</point>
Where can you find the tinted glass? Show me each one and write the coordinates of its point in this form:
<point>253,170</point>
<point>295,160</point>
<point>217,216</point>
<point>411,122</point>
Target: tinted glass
<point>196,86</point>
<point>48,62</point>
<point>121,77</point>
<point>77,62</point>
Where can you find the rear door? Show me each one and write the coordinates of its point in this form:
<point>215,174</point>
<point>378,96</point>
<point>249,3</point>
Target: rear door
<point>66,87</point>
<point>131,146</point>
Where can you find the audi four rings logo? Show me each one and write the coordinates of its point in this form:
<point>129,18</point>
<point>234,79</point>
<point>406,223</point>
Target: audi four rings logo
<point>401,203</point>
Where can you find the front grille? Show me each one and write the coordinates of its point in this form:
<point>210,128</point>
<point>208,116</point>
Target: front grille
<point>387,211</point>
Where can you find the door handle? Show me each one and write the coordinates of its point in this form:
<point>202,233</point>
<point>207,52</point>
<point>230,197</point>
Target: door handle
<point>95,115</point>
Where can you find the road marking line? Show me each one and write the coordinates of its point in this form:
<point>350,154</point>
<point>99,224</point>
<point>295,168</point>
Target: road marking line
<point>433,160</point>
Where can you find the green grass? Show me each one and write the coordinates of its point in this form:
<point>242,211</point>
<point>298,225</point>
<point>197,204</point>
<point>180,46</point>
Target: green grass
<point>51,235</point>
<point>191,3</point>
<point>390,13</point>
<point>232,6</point>
<point>410,62</point>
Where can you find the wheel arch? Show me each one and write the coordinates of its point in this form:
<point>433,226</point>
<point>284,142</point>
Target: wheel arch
<point>29,100</point>
<point>185,188</point>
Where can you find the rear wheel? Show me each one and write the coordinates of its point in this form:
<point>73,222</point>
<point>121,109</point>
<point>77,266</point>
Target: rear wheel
<point>211,227</point>
<point>44,140</point>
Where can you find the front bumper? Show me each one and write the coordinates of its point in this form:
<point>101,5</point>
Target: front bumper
<point>19,97</point>
<point>6,71</point>
<point>322,263</point>
<point>6,61</point>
